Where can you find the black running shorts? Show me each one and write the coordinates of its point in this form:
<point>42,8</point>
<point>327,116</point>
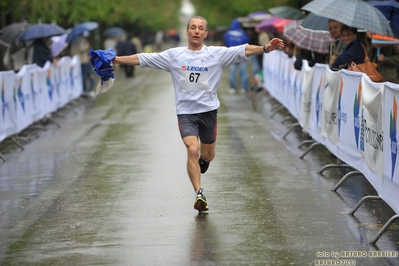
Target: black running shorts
<point>202,125</point>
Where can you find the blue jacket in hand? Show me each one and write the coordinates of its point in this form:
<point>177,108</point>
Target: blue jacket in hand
<point>101,60</point>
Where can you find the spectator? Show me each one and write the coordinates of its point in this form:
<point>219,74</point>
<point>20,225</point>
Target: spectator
<point>126,47</point>
<point>263,39</point>
<point>388,62</point>
<point>42,52</point>
<point>233,37</point>
<point>254,60</point>
<point>310,56</point>
<point>81,46</point>
<point>337,46</point>
<point>158,41</point>
<point>354,50</point>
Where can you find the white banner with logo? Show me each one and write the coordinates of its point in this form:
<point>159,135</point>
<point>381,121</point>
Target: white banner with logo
<point>8,125</point>
<point>355,118</point>
<point>317,102</point>
<point>349,107</point>
<point>329,116</point>
<point>390,187</point>
<point>33,92</point>
<point>371,128</point>
<point>306,95</point>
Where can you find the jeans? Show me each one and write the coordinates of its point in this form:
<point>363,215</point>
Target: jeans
<point>87,77</point>
<point>255,64</point>
<point>243,74</point>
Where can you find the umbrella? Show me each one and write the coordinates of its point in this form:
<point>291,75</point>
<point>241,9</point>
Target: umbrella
<point>286,12</point>
<point>40,31</point>
<point>390,9</point>
<point>11,32</point>
<point>80,29</point>
<point>259,15</point>
<point>382,41</point>
<point>280,24</point>
<point>354,13</point>
<point>316,41</point>
<point>59,44</point>
<point>315,22</point>
<point>114,32</point>
<point>247,22</point>
<point>269,25</point>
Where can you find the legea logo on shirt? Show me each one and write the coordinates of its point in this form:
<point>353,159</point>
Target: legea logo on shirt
<point>194,68</point>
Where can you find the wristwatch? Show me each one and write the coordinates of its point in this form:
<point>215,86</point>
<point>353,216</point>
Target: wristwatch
<point>265,50</point>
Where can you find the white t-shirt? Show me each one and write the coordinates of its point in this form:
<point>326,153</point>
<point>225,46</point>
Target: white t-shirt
<point>195,74</point>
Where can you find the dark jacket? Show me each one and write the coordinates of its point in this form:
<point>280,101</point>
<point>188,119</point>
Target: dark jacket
<point>353,52</point>
<point>389,67</point>
<point>41,53</point>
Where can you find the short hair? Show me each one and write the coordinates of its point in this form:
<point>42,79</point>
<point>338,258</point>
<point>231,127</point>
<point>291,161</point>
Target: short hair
<point>346,27</point>
<point>198,17</point>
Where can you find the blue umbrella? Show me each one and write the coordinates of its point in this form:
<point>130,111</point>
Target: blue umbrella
<point>390,9</point>
<point>80,29</point>
<point>40,31</point>
<point>113,32</point>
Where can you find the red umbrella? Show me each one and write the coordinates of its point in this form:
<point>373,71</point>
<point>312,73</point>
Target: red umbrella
<point>268,24</point>
<point>383,40</point>
<point>279,25</point>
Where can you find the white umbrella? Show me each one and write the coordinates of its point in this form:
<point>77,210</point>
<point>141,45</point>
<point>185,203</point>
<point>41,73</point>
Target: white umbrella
<point>354,13</point>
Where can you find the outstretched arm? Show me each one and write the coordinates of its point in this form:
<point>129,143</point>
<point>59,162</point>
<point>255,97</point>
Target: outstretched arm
<point>256,49</point>
<point>127,60</point>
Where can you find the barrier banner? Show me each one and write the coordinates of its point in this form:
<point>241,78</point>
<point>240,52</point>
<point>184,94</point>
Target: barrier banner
<point>76,78</point>
<point>371,126</point>
<point>281,81</point>
<point>24,98</point>
<point>270,70</point>
<point>306,95</point>
<point>63,81</point>
<point>294,95</point>
<point>46,83</point>
<point>317,102</point>
<point>329,117</point>
<point>8,115</point>
<point>391,134</point>
<point>349,106</point>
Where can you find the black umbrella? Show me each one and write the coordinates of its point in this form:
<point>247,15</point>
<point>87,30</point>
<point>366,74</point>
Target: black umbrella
<point>40,31</point>
<point>11,32</point>
<point>113,32</point>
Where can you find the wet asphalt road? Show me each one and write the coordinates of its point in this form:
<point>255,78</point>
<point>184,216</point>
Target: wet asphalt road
<point>110,188</point>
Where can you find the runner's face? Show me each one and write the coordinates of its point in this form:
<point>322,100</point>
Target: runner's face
<point>196,32</point>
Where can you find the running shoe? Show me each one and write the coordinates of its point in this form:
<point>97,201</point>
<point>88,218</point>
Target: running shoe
<point>203,165</point>
<point>200,203</point>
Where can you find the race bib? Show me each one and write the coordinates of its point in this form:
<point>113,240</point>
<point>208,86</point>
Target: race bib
<point>194,78</point>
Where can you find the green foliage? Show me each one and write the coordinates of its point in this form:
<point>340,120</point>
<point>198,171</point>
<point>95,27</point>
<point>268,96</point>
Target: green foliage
<point>145,14</point>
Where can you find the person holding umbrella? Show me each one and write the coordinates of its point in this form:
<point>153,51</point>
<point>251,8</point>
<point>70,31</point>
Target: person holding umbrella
<point>42,52</point>
<point>353,52</point>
